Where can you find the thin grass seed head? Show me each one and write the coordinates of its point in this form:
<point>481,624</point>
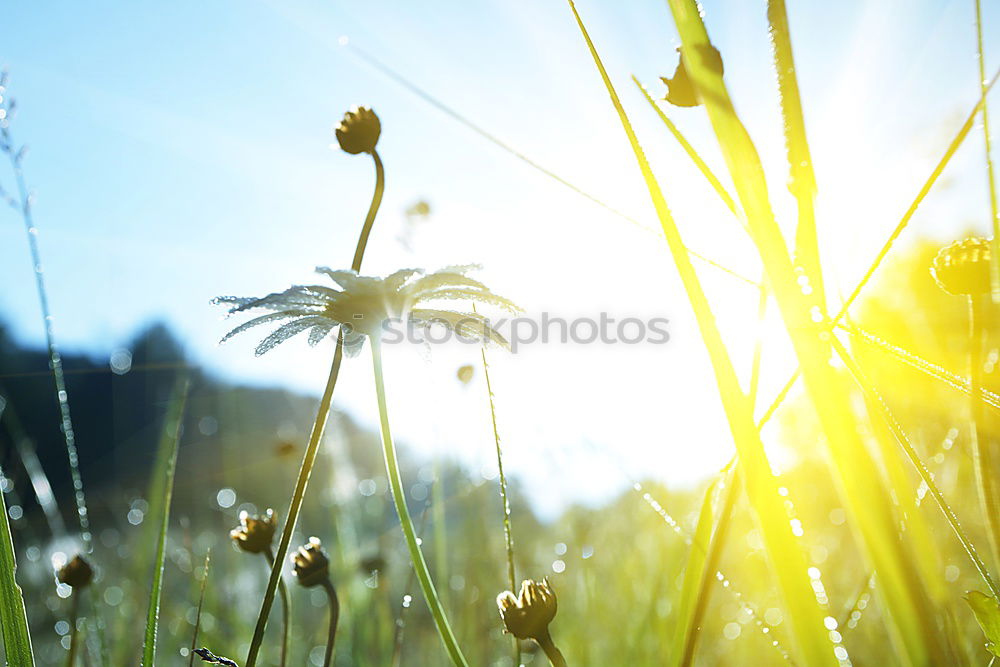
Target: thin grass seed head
<point>311,565</point>
<point>359,131</point>
<point>77,573</point>
<point>255,533</point>
<point>363,304</point>
<point>963,267</point>
<point>680,89</point>
<point>528,615</point>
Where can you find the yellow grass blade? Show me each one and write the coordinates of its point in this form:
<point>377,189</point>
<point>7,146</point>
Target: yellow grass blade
<point>802,179</point>
<point>804,613</point>
<point>910,619</point>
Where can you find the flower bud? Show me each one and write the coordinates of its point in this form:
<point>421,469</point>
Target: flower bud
<point>311,564</point>
<point>963,267</point>
<point>255,534</point>
<point>358,132</point>
<point>76,573</point>
<point>528,615</point>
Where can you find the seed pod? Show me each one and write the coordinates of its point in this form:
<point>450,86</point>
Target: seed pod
<point>311,564</point>
<point>358,132</point>
<point>963,267</point>
<point>76,573</point>
<point>254,534</point>
<point>527,616</point>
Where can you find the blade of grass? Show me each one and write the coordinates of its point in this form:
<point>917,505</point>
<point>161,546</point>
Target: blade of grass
<point>990,175</point>
<point>508,535</point>
<point>954,380</point>
<point>805,615</point>
<point>802,179</point>
<point>201,603</point>
<point>14,617</point>
<point>161,502</point>
<point>925,475</point>
<point>910,619</point>
<point>685,628</point>
<point>710,572</point>
<point>925,189</point>
<point>702,166</point>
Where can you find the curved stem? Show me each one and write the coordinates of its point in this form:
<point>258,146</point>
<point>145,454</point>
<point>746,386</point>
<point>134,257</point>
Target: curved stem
<point>982,455</point>
<point>372,211</point>
<point>554,655</point>
<point>73,612</point>
<point>398,497</point>
<point>286,620</point>
<point>315,436</point>
<point>331,592</point>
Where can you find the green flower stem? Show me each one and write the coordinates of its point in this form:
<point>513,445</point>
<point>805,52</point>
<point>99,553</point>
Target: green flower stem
<point>286,620</point>
<point>74,608</point>
<point>366,230</point>
<point>331,592</point>
<point>507,534</point>
<point>554,655</point>
<point>982,454</point>
<point>398,497</point>
<point>315,437</point>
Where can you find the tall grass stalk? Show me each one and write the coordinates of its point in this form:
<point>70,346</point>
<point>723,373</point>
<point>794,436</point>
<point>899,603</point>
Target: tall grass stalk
<point>910,618</point>
<point>405,521</point>
<point>925,475</point>
<point>802,179</point>
<point>925,189</point>
<point>161,503</point>
<point>987,480</point>
<point>15,155</point>
<point>700,163</point>
<point>315,436</point>
<point>806,617</point>
<point>990,175</point>
<point>13,616</point>
<point>695,566</point>
<point>709,573</point>
<point>508,535</point>
<point>201,603</point>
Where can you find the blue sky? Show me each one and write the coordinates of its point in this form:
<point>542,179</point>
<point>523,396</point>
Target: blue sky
<point>180,151</point>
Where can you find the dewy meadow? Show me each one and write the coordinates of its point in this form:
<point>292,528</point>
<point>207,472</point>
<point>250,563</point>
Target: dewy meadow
<point>714,362</point>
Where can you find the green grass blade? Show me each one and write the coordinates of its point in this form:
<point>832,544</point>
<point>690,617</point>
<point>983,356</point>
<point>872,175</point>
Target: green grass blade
<point>13,617</point>
<point>201,603</point>
<point>804,613</point>
<point>802,179</point>
<point>990,173</point>
<point>702,166</point>
<point>697,560</point>
<point>164,472</point>
<point>876,399</point>
<point>911,621</point>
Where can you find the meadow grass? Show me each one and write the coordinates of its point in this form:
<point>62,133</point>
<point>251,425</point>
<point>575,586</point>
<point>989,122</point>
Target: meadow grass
<point>876,472</point>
